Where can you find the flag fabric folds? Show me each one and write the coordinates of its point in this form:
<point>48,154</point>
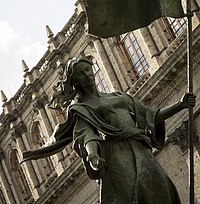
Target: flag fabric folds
<point>108,18</point>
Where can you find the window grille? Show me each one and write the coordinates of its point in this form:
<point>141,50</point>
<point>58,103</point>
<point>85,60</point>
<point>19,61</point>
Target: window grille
<point>40,139</point>
<point>136,62</point>
<point>173,27</point>
<point>22,181</point>
<point>2,198</point>
<point>99,78</point>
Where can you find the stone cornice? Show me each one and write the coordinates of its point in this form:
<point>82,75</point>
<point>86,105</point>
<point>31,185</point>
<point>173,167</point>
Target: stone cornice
<point>78,30</point>
<point>79,22</point>
<point>9,118</point>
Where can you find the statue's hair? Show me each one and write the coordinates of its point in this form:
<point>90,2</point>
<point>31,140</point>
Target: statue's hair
<point>72,64</point>
<point>70,89</point>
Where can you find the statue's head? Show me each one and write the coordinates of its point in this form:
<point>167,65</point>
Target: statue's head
<point>71,64</point>
<point>75,69</point>
<point>77,74</point>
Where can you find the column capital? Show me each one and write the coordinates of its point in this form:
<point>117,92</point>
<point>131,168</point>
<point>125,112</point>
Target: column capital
<point>91,39</point>
<point>40,102</point>
<point>18,130</point>
<point>180,136</point>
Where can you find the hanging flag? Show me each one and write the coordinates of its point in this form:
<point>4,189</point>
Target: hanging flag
<point>108,18</point>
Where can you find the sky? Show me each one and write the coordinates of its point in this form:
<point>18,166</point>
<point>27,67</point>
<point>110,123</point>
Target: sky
<point>23,36</point>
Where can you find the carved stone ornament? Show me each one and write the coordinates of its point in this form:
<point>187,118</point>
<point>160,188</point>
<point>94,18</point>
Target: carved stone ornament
<point>21,127</point>
<point>180,136</point>
<point>39,103</point>
<point>19,130</point>
<point>15,134</point>
<point>10,118</point>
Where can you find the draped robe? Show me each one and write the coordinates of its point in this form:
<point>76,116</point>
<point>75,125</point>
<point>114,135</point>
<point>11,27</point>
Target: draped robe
<point>125,131</point>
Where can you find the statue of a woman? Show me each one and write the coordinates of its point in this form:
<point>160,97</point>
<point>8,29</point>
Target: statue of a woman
<point>114,135</point>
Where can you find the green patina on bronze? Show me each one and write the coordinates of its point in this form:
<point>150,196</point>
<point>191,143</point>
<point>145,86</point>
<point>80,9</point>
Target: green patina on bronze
<point>114,134</point>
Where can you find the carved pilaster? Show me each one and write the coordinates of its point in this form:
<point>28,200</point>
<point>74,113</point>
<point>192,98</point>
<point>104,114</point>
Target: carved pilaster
<point>110,72</point>
<point>39,107</point>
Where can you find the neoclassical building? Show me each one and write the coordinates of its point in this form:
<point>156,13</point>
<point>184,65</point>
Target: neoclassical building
<point>149,63</point>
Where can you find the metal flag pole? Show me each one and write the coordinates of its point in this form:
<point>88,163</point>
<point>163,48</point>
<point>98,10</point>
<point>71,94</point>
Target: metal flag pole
<point>190,90</point>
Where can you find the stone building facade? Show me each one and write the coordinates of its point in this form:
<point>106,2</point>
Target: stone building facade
<point>149,63</point>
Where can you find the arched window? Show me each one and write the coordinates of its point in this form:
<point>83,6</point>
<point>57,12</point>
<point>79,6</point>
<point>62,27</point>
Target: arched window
<point>99,78</point>
<point>173,27</point>
<point>2,197</point>
<point>136,62</point>
<point>20,177</point>
<point>39,140</point>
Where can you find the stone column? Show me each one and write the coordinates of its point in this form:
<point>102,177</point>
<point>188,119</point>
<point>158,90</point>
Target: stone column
<point>33,162</point>
<point>149,42</point>
<point>39,106</point>
<point>180,137</point>
<point>5,172</point>
<point>10,198</point>
<point>17,132</point>
<point>107,67</point>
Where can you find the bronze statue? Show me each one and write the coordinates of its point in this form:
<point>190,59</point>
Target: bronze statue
<point>114,135</point>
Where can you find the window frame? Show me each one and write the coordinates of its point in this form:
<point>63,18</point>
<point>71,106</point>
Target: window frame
<point>137,64</point>
<point>23,184</point>
<point>47,162</point>
<point>100,81</point>
<point>173,27</point>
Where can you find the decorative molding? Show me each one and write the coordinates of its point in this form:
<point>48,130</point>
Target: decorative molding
<point>30,201</point>
<point>21,128</point>
<point>50,179</point>
<point>174,45</point>
<point>140,82</point>
<point>9,118</point>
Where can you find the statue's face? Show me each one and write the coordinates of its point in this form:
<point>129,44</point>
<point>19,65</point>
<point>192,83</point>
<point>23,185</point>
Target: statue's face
<point>83,75</point>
